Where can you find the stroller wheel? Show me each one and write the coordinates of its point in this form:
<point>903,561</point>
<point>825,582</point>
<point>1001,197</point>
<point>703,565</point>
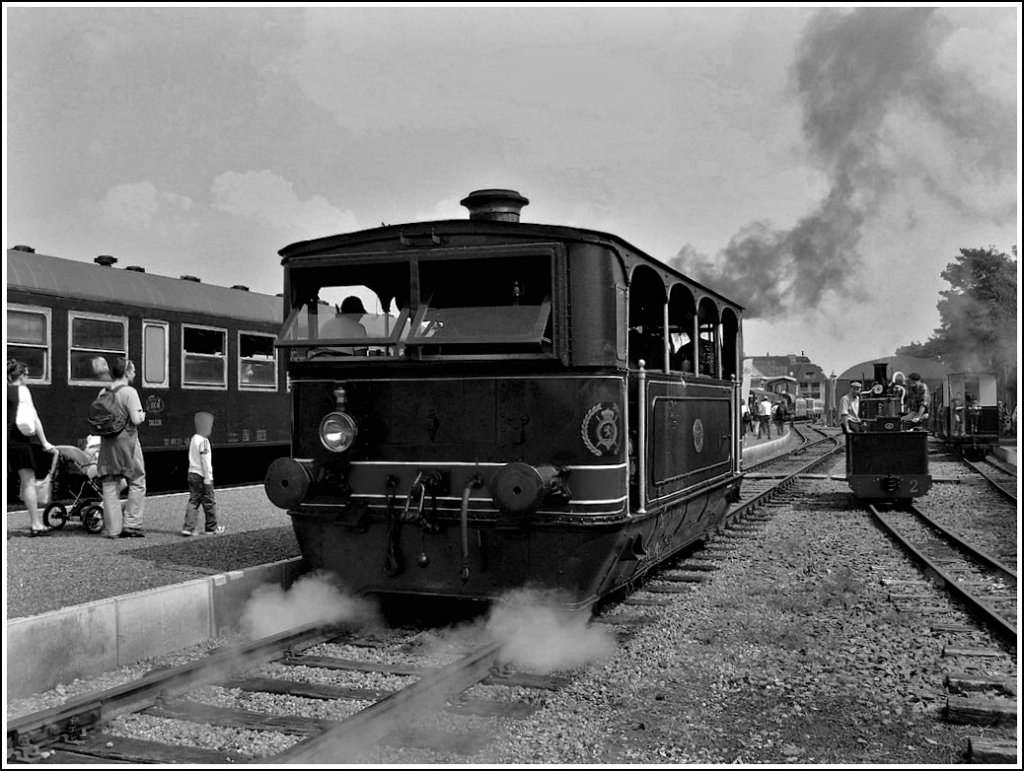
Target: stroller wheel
<point>55,516</point>
<point>92,518</point>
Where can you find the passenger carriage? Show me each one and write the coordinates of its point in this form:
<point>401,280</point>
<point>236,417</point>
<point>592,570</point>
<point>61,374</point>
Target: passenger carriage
<point>970,426</point>
<point>196,347</point>
<point>519,405</point>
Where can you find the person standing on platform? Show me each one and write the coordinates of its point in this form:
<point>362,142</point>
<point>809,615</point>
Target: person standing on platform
<point>121,458</point>
<point>200,479</point>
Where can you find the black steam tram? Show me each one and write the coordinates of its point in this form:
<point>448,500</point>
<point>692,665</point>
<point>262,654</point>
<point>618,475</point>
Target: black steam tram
<point>196,347</point>
<point>485,404</point>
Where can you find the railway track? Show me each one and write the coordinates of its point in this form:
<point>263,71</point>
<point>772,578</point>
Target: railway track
<point>81,730</point>
<point>984,584</point>
<point>1000,477</point>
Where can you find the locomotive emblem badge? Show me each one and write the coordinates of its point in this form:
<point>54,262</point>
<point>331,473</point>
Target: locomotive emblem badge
<point>600,429</point>
<point>698,435</point>
<point>154,404</point>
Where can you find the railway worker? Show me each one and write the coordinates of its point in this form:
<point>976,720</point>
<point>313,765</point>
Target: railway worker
<point>21,448</point>
<point>347,322</point>
<point>917,401</point>
<point>971,411</point>
<point>849,409</point>
<point>764,417</point>
<point>121,459</point>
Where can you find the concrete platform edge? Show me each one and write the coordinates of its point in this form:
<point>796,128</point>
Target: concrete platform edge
<point>1007,455</point>
<point>765,450</point>
<point>95,637</point>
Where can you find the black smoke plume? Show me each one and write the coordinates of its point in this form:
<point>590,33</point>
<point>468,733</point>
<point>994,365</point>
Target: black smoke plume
<point>855,73</point>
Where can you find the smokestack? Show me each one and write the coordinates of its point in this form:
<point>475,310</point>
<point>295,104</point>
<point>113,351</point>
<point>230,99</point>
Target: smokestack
<point>23,248</point>
<point>494,204</point>
<point>105,260</point>
<point>190,278</point>
<point>135,268</point>
<point>881,371</point>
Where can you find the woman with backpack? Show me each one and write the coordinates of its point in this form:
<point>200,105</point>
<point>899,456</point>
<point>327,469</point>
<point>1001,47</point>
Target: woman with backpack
<point>114,415</point>
<point>21,447</point>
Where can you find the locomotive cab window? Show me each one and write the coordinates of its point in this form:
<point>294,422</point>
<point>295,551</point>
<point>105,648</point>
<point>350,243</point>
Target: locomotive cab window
<point>499,305</point>
<point>204,356</point>
<point>257,362</point>
<point>92,336</point>
<point>348,310</point>
<point>28,340</point>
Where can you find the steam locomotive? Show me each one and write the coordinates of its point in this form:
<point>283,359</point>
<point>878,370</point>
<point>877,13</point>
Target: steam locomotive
<point>485,404</point>
<point>887,461</point>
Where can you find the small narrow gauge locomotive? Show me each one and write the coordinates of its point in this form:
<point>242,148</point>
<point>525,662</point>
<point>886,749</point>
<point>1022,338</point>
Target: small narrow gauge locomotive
<point>196,347</point>
<point>521,405</point>
<point>887,461</point>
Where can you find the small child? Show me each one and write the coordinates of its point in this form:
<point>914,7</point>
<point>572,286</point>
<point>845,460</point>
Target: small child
<point>200,478</point>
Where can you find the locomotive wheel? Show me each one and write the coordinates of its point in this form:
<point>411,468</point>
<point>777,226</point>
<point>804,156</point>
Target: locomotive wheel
<point>55,516</point>
<point>92,518</point>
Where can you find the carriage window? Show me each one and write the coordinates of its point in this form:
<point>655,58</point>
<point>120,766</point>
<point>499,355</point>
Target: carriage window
<point>708,341</point>
<point>204,357</point>
<point>257,362</point>
<point>154,354</point>
<point>647,319</point>
<point>28,340</point>
<point>93,337</point>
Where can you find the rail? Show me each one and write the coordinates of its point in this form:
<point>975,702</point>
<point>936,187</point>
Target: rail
<point>943,547</point>
<point>993,481</point>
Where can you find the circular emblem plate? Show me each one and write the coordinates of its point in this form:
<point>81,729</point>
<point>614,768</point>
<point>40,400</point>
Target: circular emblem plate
<point>600,429</point>
<point>154,404</point>
<point>698,435</point>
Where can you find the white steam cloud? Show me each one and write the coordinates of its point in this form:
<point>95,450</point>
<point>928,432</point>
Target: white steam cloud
<point>538,636</point>
<point>313,599</point>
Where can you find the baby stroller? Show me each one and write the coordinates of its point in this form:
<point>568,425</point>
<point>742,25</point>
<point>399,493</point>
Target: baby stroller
<point>77,491</point>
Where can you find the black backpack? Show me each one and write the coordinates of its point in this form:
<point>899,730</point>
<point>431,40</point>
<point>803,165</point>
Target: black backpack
<point>106,416</point>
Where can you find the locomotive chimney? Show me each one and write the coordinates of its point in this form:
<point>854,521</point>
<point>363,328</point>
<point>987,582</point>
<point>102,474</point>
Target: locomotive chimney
<point>494,204</point>
<point>105,260</point>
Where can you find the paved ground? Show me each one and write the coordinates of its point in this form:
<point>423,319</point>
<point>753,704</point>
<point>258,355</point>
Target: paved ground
<point>71,566</point>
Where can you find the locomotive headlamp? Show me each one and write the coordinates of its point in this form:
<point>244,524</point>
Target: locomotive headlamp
<point>338,431</point>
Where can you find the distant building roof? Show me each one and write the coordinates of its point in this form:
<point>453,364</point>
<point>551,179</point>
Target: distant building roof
<point>928,369</point>
<point>799,367</point>
<point>43,274</point>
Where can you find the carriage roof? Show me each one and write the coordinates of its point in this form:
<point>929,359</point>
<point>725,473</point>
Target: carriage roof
<point>59,277</point>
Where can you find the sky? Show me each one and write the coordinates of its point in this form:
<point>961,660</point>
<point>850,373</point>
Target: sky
<point>819,166</point>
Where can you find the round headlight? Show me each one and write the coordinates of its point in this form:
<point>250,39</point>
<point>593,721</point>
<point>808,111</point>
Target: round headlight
<point>338,431</point>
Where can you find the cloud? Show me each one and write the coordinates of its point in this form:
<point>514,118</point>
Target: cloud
<point>137,203</point>
<point>264,197</point>
<point>885,115</point>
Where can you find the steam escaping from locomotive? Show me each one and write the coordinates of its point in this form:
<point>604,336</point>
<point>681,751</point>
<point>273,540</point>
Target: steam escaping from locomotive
<point>880,111</point>
<point>313,599</point>
<point>536,636</point>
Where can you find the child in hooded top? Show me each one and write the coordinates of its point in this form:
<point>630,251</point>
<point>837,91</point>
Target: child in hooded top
<point>200,478</point>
